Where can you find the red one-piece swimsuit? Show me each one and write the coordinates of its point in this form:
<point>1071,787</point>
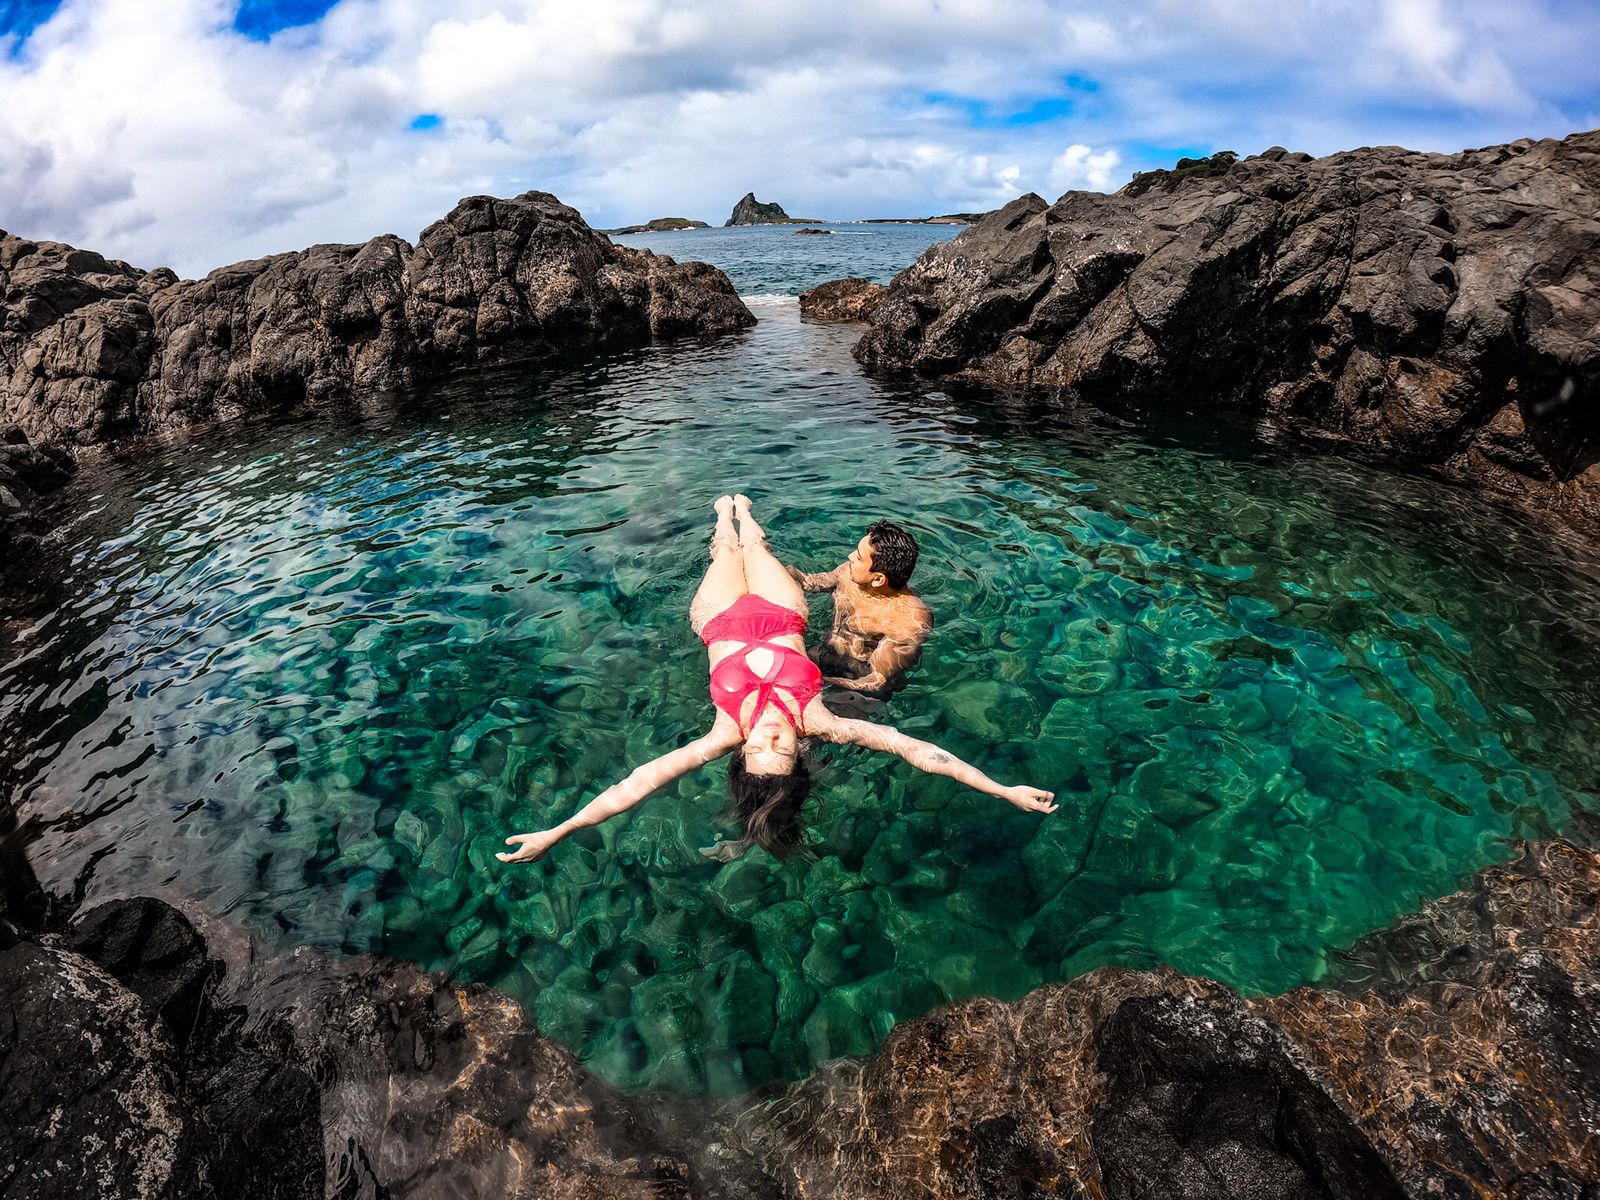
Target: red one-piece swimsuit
<point>754,621</point>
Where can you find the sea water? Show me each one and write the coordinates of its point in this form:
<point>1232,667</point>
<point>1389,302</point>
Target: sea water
<point>311,675</point>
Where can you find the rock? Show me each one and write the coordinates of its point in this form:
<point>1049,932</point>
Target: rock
<point>813,232</point>
<point>750,211</point>
<point>843,300</point>
<point>151,949</point>
<point>95,350</point>
<point>1434,309</point>
<point>1470,1066</point>
<point>660,225</point>
<point>90,1100</point>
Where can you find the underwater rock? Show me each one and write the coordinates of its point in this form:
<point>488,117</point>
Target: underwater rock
<point>93,350</point>
<point>1436,309</point>
<point>843,300</point>
<point>1461,1056</point>
<point>26,473</point>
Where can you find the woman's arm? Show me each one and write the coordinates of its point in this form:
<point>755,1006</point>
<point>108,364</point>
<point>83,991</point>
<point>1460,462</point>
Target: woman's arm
<point>925,756</point>
<point>620,797</point>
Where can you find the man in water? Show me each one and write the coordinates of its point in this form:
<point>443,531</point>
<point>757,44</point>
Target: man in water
<point>879,623</point>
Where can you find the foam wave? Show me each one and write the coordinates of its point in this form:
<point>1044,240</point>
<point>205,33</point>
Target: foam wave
<point>769,300</point>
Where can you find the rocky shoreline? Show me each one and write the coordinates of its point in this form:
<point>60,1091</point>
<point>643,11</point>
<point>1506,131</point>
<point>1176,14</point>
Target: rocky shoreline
<point>1429,309</point>
<point>1457,1054</point>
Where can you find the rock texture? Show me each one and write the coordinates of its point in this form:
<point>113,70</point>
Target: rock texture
<point>661,225</point>
<point>843,300</point>
<point>93,350</point>
<point>26,472</point>
<point>1478,1075</point>
<point>1437,309</point>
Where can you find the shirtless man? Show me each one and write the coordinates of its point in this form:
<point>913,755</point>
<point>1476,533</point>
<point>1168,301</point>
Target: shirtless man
<point>879,623</point>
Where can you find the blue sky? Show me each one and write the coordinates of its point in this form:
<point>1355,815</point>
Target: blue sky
<point>194,133</point>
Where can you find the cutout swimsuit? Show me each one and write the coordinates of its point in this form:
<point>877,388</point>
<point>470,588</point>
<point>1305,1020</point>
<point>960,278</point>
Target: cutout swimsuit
<point>753,621</point>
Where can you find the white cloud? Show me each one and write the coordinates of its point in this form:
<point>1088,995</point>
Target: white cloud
<point>1080,168</point>
<point>156,133</point>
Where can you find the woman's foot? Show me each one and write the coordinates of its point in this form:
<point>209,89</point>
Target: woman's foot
<point>750,533</point>
<point>724,506</point>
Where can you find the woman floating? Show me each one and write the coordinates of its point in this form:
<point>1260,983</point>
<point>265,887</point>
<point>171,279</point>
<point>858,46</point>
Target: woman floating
<point>751,615</point>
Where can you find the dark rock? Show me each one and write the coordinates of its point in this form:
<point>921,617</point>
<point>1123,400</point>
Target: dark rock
<point>13,435</point>
<point>90,1102</point>
<point>661,225</point>
<point>1482,1079</point>
<point>262,1115</point>
<point>843,300</point>
<point>750,211</point>
<point>813,233</point>
<point>24,907</point>
<point>150,948</point>
<point>94,351</point>
<point>1432,309</point>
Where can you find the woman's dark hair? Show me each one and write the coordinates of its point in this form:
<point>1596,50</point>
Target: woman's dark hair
<point>894,552</point>
<point>769,805</point>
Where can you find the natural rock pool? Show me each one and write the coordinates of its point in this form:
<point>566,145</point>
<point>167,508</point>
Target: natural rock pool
<point>311,676</point>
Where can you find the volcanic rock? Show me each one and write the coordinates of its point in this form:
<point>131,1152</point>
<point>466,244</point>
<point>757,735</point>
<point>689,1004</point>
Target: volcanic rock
<point>843,300</point>
<point>1467,1065</point>
<point>93,350</point>
<point>750,211</point>
<point>1435,309</point>
<point>661,225</point>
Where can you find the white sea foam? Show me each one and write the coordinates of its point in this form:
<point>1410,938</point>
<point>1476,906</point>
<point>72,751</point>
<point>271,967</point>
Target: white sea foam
<point>769,300</point>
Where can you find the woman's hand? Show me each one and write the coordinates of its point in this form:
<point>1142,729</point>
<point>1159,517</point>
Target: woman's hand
<point>1031,799</point>
<point>533,845</point>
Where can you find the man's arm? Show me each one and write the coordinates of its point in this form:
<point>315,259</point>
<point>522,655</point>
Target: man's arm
<point>821,581</point>
<point>890,659</point>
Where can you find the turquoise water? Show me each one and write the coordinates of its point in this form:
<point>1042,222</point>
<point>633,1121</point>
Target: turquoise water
<point>310,676</point>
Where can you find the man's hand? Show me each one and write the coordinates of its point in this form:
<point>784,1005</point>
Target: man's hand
<point>533,846</point>
<point>1031,799</point>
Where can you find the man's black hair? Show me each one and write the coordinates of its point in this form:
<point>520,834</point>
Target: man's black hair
<point>894,552</point>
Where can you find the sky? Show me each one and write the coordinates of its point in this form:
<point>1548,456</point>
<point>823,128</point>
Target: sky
<point>195,133</point>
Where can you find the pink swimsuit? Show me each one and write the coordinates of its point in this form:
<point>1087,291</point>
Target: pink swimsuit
<point>753,621</point>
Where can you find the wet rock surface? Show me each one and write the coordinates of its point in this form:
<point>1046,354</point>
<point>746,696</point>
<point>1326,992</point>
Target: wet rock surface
<point>1435,309</point>
<point>93,350</point>
<point>27,472</point>
<point>843,300</point>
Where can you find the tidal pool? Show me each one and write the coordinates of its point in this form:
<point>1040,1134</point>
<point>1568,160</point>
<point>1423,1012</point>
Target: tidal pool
<point>312,675</point>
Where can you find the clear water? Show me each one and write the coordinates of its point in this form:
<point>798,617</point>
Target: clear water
<point>313,675</point>
<point>773,260</point>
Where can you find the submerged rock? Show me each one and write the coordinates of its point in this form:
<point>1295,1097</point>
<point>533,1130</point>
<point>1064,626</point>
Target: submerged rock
<point>843,300</point>
<point>93,350</point>
<point>1439,309</point>
<point>1477,1075</point>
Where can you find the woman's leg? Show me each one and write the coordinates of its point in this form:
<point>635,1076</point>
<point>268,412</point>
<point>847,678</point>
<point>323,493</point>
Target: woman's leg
<point>764,574</point>
<point>724,579</point>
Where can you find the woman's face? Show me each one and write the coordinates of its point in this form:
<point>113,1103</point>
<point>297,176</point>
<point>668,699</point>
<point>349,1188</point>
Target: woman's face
<point>772,747</point>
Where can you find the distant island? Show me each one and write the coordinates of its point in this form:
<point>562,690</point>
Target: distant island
<point>948,219</point>
<point>659,225</point>
<point>751,211</point>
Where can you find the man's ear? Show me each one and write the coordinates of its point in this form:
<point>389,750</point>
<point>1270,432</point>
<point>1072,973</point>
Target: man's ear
<point>878,579</point>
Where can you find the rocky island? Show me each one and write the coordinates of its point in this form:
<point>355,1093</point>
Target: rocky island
<point>659,225</point>
<point>750,211</point>
<point>1440,310</point>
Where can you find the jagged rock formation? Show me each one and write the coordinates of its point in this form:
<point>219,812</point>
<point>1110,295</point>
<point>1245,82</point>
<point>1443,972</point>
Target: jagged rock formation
<point>1437,309</point>
<point>1478,1075</point>
<point>750,211</point>
<point>93,350</point>
<point>843,300</point>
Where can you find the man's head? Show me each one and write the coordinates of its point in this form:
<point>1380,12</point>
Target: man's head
<point>884,557</point>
